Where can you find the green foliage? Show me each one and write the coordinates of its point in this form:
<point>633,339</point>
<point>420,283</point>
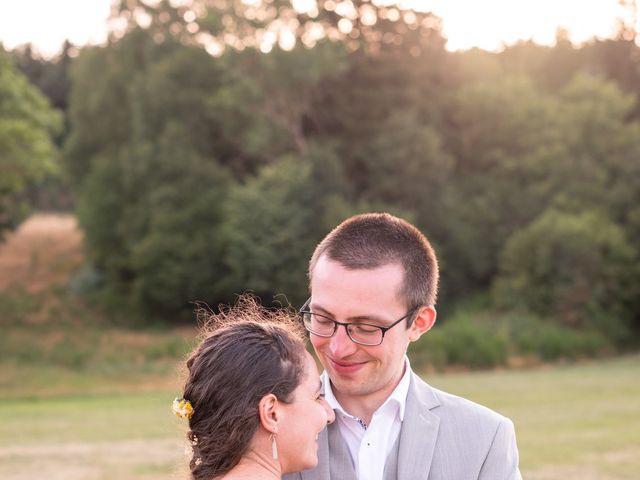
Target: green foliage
<point>461,342</point>
<point>151,190</point>
<point>484,338</point>
<point>102,102</point>
<point>553,342</point>
<point>472,336</point>
<point>505,137</point>
<point>275,220</point>
<point>199,177</point>
<point>179,257</point>
<point>27,151</point>
<point>572,267</point>
<point>406,167</point>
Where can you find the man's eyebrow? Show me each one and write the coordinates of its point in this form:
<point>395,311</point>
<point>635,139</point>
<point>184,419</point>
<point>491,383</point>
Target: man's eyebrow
<point>319,309</point>
<point>359,318</point>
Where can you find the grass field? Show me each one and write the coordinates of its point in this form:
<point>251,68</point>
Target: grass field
<point>573,422</point>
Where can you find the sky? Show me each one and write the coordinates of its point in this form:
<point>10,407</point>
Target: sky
<point>486,24</point>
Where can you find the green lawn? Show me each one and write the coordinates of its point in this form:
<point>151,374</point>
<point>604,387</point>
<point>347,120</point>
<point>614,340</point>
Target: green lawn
<point>107,436</point>
<point>573,422</point>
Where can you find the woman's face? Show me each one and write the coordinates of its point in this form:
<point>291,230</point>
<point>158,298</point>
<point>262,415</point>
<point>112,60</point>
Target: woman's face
<point>303,419</point>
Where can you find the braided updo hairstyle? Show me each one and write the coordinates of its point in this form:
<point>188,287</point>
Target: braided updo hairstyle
<point>247,352</point>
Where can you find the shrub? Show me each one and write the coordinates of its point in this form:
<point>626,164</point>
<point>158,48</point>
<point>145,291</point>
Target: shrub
<point>547,341</point>
<point>483,338</point>
<point>274,221</point>
<point>573,268</point>
<point>462,341</point>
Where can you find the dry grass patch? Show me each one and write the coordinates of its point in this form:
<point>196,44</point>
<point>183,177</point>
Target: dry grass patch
<point>40,253</point>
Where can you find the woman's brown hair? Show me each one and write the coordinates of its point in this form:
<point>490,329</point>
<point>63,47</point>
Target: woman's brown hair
<point>248,352</point>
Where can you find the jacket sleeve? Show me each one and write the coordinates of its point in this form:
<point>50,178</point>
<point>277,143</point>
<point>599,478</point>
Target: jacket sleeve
<point>501,462</point>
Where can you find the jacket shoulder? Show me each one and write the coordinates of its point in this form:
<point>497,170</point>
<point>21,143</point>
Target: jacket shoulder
<point>456,409</point>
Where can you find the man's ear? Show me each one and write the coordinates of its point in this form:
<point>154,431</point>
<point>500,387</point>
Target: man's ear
<point>423,322</point>
<point>269,411</point>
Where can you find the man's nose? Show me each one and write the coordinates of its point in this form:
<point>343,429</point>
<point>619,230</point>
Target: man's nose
<point>340,344</point>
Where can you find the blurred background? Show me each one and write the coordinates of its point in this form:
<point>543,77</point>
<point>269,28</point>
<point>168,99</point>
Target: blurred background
<point>158,153</point>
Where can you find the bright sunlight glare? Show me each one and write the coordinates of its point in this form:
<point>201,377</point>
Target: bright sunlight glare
<point>488,24</point>
<point>46,23</point>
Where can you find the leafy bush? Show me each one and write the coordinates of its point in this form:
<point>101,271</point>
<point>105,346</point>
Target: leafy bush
<point>27,151</point>
<point>572,267</point>
<point>274,221</point>
<point>463,341</point>
<point>547,341</point>
<point>484,338</point>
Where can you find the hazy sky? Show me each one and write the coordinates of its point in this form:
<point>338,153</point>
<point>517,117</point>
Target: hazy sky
<point>467,23</point>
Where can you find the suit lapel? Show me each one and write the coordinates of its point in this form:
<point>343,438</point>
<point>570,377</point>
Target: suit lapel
<point>341,465</point>
<point>419,432</point>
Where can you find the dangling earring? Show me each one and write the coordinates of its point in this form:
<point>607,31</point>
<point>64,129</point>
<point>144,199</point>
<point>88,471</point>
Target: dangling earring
<point>274,447</point>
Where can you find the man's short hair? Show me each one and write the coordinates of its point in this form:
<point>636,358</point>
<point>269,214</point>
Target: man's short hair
<point>372,240</point>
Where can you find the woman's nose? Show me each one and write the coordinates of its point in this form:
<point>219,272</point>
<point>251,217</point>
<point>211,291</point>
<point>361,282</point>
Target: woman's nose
<point>331,416</point>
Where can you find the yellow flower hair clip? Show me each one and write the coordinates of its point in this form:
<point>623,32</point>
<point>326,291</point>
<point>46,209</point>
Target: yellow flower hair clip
<point>182,408</point>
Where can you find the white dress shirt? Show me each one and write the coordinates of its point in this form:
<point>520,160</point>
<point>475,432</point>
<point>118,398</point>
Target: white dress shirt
<point>370,445</point>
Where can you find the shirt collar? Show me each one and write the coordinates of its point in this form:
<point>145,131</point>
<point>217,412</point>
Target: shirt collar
<point>398,396</point>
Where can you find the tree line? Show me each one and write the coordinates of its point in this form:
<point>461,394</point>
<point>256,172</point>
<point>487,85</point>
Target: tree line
<point>199,176</point>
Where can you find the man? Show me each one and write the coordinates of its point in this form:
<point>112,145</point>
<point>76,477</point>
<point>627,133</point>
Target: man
<point>373,283</point>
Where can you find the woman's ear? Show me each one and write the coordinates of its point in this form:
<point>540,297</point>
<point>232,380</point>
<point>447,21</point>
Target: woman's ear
<point>423,322</point>
<point>269,411</point>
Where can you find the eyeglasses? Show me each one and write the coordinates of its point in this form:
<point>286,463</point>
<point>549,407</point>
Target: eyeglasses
<point>361,333</point>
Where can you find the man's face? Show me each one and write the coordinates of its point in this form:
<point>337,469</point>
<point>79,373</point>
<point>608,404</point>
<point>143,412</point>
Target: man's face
<point>358,372</point>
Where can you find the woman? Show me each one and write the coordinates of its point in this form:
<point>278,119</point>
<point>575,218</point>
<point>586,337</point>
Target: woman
<point>253,397</point>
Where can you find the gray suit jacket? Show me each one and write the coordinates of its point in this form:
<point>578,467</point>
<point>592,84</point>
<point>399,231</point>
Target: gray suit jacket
<point>443,437</point>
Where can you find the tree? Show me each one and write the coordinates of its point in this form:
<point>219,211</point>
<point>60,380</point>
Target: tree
<point>472,156</point>
<point>27,151</point>
<point>218,24</point>
<point>503,138</point>
<point>602,150</point>
<point>575,268</point>
<point>145,165</point>
<point>50,76</point>
<point>274,221</point>
<point>179,257</point>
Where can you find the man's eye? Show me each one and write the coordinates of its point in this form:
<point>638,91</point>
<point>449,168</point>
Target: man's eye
<point>322,320</point>
<point>364,329</point>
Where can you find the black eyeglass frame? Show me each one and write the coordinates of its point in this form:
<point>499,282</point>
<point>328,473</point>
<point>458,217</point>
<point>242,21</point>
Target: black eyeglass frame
<point>346,326</point>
